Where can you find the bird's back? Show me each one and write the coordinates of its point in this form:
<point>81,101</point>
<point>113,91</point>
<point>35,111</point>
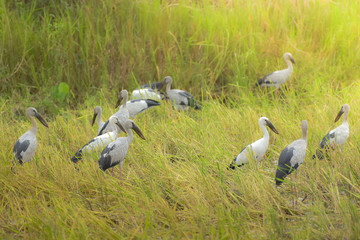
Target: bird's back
<point>114,153</point>
<point>25,147</point>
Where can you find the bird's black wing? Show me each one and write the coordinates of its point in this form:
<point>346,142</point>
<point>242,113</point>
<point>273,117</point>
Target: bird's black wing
<point>233,164</point>
<point>105,158</point>
<point>265,80</point>
<point>191,100</point>
<point>19,148</point>
<point>103,128</point>
<point>284,166</point>
<point>325,142</point>
<point>151,103</point>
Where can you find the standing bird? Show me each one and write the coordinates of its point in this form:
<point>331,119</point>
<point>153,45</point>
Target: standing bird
<point>257,149</point>
<point>180,99</point>
<point>292,156</point>
<point>278,77</point>
<point>122,114</point>
<point>116,151</point>
<point>99,142</point>
<point>148,91</point>
<point>337,137</point>
<point>97,117</point>
<point>25,147</point>
<point>139,105</point>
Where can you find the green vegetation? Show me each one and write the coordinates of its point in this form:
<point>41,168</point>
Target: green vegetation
<point>66,57</point>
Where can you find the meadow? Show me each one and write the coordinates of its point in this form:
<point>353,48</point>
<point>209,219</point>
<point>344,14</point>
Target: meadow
<point>66,57</point>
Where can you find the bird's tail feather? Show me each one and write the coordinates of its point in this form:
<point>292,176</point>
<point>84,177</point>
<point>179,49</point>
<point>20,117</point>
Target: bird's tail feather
<point>77,157</point>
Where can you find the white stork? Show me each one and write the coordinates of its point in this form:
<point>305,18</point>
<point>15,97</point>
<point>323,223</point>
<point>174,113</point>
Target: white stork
<point>98,143</point>
<point>337,137</point>
<point>180,99</point>
<point>25,146</point>
<point>122,114</point>
<point>97,117</point>
<point>292,156</point>
<point>116,151</point>
<point>256,149</point>
<point>278,77</point>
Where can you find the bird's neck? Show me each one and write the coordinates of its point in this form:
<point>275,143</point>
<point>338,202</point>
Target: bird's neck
<point>124,102</point>
<point>290,66</point>
<point>168,86</point>
<point>265,131</point>
<point>34,124</point>
<point>304,134</point>
<point>98,119</point>
<point>345,117</point>
<point>130,135</point>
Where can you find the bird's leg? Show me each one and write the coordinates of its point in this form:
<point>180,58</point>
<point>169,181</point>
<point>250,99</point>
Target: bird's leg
<point>112,172</point>
<point>296,197</point>
<point>120,173</point>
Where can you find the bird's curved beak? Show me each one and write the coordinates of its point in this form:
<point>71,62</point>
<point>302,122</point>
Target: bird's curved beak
<point>271,126</point>
<point>118,102</point>
<point>93,120</point>
<point>40,118</point>
<point>138,132</point>
<point>292,60</point>
<point>339,115</point>
<point>121,127</point>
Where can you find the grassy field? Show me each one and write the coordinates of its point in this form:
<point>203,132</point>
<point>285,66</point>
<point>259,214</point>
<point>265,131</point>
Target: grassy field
<point>176,184</point>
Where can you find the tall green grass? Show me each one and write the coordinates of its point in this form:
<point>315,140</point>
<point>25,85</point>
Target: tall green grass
<point>176,184</point>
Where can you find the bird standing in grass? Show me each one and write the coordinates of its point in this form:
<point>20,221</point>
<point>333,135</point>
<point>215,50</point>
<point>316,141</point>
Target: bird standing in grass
<point>257,149</point>
<point>292,156</point>
<point>25,146</point>
<point>97,117</point>
<point>180,99</point>
<point>116,151</point>
<point>278,77</point>
<point>337,137</point>
<point>99,142</point>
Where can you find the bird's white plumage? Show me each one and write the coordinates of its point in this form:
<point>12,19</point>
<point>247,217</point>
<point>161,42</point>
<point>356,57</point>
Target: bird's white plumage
<point>341,134</point>
<point>278,77</point>
<point>98,143</point>
<point>146,93</point>
<point>256,149</point>
<point>97,114</point>
<point>137,106</point>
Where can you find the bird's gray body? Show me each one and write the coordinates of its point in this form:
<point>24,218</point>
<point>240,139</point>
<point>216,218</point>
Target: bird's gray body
<point>25,146</point>
<point>180,99</point>
<point>290,159</point>
<point>292,156</point>
<point>336,138</point>
<point>116,151</point>
<point>278,77</point>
